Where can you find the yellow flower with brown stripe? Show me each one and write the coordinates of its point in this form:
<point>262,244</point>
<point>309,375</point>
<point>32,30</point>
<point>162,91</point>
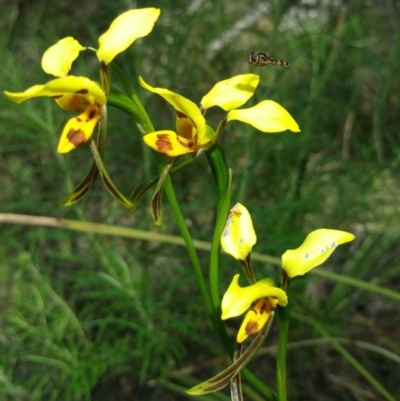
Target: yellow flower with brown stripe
<point>74,94</point>
<point>259,299</point>
<point>192,133</point>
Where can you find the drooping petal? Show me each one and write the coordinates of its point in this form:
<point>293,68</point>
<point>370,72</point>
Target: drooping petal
<point>124,30</point>
<point>315,249</point>
<point>238,299</point>
<point>266,116</point>
<point>180,104</point>
<point>238,236</point>
<point>231,93</point>
<point>57,59</point>
<point>79,129</point>
<point>256,318</point>
<point>60,87</point>
<point>169,143</point>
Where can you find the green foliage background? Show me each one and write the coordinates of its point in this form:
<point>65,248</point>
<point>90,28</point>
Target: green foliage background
<point>89,317</point>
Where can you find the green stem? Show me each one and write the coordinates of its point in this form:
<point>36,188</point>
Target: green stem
<point>169,191</point>
<point>222,178</point>
<point>147,127</point>
<point>221,175</point>
<point>284,314</point>
<point>222,181</point>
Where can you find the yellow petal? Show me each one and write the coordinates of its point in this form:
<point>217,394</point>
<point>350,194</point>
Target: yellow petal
<point>180,104</point>
<point>315,249</point>
<point>238,236</point>
<point>256,318</point>
<point>79,129</point>
<point>60,87</point>
<point>231,93</point>
<point>238,299</point>
<point>57,59</point>
<point>169,143</point>
<point>266,116</point>
<point>124,30</point>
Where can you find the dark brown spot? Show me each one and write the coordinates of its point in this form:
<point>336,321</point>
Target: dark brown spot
<point>57,96</point>
<point>263,307</point>
<point>91,114</point>
<point>163,144</point>
<point>83,92</point>
<point>76,137</point>
<point>251,328</point>
<point>188,145</point>
<point>78,119</point>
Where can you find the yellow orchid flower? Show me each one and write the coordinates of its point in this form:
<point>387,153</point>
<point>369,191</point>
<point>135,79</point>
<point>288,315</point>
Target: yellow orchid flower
<point>237,239</point>
<point>261,297</point>
<point>193,134</point>
<point>71,93</point>
<point>80,93</point>
<point>315,249</point>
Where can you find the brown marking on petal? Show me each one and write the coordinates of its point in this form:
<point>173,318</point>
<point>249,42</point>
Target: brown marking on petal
<point>91,114</point>
<point>188,145</point>
<point>163,144</point>
<point>83,92</point>
<point>78,119</point>
<point>76,137</point>
<point>251,328</point>
<point>263,307</point>
<point>180,114</point>
<point>57,97</point>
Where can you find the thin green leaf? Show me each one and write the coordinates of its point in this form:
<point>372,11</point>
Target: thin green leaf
<point>142,188</point>
<point>111,188</point>
<point>156,201</point>
<point>236,383</point>
<point>219,381</point>
<point>82,189</point>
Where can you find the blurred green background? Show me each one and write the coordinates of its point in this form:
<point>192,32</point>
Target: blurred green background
<point>90,317</point>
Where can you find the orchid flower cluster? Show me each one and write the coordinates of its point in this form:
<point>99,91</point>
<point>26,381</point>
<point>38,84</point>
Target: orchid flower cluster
<point>194,136</point>
<point>261,297</point>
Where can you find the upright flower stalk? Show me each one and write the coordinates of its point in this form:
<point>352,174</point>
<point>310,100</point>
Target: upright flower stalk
<point>260,299</point>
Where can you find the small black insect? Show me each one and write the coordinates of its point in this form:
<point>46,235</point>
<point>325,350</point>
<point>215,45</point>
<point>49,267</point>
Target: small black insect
<point>263,59</point>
